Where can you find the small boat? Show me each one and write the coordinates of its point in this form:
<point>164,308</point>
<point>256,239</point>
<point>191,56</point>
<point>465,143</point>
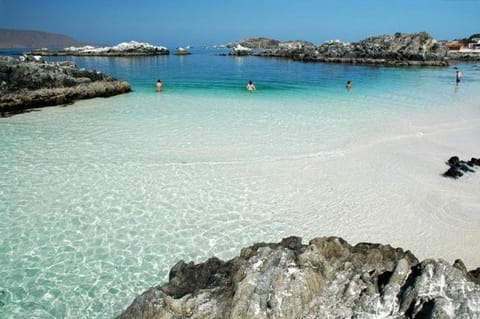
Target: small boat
<point>182,51</point>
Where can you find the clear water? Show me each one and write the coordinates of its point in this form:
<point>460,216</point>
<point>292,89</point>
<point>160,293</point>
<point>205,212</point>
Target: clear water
<point>98,200</point>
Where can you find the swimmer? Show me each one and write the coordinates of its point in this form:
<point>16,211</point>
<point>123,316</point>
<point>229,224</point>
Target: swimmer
<point>250,86</point>
<point>458,76</point>
<point>159,85</point>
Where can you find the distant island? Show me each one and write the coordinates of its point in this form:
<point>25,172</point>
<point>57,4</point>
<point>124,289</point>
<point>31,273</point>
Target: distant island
<point>132,48</point>
<point>10,38</point>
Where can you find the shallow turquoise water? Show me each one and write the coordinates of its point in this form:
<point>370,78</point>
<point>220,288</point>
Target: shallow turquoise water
<point>98,200</point>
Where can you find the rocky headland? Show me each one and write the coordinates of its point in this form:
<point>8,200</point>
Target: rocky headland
<point>326,278</point>
<point>29,82</point>
<point>400,49</point>
<point>132,48</point>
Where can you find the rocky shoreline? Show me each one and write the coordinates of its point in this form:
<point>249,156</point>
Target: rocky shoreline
<point>400,49</point>
<point>326,278</point>
<point>28,83</point>
<point>463,56</point>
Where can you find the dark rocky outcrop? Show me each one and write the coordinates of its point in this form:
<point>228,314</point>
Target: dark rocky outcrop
<point>30,83</point>
<point>464,56</point>
<point>327,278</point>
<point>400,49</point>
<point>459,167</point>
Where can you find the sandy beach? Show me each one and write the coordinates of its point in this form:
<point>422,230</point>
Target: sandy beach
<point>390,190</point>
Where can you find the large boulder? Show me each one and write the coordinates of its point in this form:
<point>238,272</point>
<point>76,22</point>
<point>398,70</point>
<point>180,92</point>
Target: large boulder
<point>402,46</point>
<point>29,83</point>
<point>327,278</point>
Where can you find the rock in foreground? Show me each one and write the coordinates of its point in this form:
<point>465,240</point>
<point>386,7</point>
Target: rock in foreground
<point>34,83</point>
<point>328,278</point>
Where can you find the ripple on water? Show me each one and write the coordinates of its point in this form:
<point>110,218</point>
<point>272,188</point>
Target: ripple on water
<point>99,200</point>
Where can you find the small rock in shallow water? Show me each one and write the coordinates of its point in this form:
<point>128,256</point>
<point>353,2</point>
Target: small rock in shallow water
<point>474,161</point>
<point>459,167</point>
<point>453,172</point>
<point>454,160</point>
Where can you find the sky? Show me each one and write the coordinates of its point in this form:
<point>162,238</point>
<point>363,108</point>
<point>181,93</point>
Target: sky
<point>208,22</point>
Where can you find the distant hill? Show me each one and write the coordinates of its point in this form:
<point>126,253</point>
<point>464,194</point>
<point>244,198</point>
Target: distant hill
<point>10,38</point>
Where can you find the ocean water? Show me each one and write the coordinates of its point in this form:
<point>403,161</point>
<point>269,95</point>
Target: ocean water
<point>99,199</point>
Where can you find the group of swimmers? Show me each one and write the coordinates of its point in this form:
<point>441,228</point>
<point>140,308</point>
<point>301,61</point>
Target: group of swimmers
<point>250,86</point>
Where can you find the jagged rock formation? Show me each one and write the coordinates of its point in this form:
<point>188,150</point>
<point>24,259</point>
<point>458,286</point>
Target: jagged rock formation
<point>418,49</point>
<point>30,83</point>
<point>400,49</point>
<point>328,278</point>
<point>132,48</point>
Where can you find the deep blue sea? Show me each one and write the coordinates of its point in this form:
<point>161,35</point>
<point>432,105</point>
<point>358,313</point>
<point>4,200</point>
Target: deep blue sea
<point>99,199</point>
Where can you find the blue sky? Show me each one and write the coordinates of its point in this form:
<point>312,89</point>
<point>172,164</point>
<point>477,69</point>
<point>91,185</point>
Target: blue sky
<point>198,22</point>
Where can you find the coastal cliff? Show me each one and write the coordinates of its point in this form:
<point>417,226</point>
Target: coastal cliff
<point>400,49</point>
<point>326,278</point>
<point>31,83</point>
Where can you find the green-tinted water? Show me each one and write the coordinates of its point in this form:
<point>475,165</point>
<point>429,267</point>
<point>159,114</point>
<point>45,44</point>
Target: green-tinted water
<point>98,200</point>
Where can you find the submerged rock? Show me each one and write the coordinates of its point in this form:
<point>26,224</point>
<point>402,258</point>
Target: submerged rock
<point>30,82</point>
<point>327,278</point>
